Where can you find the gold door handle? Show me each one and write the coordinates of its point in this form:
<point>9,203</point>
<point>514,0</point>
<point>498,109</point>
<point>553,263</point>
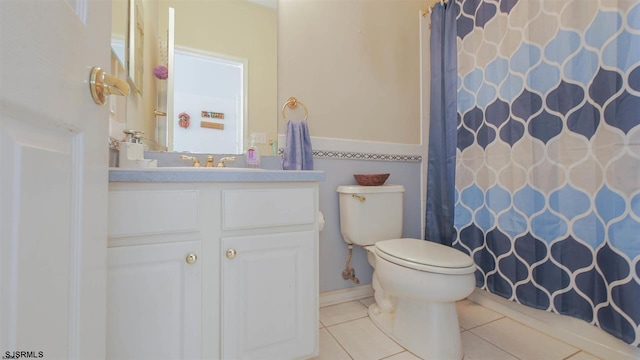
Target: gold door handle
<point>231,253</point>
<point>192,258</point>
<point>103,85</point>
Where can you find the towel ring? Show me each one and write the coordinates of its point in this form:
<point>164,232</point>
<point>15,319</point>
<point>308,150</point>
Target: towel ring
<point>292,103</point>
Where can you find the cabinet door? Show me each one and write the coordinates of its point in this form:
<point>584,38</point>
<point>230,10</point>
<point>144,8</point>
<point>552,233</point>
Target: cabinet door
<point>269,293</point>
<point>154,303</point>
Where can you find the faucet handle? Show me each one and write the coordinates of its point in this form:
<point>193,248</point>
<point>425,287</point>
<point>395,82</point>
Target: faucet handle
<point>228,158</point>
<point>196,162</point>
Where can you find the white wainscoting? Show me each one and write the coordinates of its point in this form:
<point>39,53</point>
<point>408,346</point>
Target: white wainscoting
<point>360,147</point>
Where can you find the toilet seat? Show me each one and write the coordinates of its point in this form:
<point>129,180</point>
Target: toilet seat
<point>425,256</point>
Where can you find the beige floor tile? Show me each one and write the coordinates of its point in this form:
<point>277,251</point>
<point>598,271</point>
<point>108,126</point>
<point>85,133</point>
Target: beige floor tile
<point>475,348</point>
<point>583,356</point>
<point>335,314</point>
<point>329,348</point>
<point>363,340</point>
<point>405,355</point>
<point>522,341</point>
<point>471,314</point>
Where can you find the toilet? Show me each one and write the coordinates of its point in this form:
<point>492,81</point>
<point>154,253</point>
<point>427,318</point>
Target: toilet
<point>416,282</point>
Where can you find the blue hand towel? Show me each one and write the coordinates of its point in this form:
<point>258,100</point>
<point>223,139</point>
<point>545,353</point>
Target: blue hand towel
<point>298,154</point>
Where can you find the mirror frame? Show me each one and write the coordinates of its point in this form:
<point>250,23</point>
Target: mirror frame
<point>135,45</point>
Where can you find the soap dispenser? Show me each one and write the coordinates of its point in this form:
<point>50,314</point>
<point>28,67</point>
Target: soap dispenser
<point>132,152</point>
<point>253,154</point>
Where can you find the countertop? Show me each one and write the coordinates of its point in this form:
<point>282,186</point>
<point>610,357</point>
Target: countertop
<point>203,174</point>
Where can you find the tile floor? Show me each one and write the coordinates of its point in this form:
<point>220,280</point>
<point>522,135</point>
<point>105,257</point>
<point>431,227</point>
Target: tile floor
<point>347,333</point>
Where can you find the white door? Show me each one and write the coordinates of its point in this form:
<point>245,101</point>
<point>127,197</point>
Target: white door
<point>53,178</point>
<point>154,301</point>
<point>268,301</point>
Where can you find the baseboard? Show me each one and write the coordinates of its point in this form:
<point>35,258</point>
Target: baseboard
<point>344,295</point>
<point>573,331</point>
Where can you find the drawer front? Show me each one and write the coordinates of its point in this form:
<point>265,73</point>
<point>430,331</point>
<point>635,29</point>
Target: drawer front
<point>244,209</point>
<point>136,213</point>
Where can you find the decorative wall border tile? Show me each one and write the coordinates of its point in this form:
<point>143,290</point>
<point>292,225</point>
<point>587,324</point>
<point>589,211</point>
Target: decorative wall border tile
<point>328,154</point>
<point>326,148</point>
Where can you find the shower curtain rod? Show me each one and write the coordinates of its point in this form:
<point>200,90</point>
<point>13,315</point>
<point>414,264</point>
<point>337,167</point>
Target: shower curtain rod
<point>424,13</point>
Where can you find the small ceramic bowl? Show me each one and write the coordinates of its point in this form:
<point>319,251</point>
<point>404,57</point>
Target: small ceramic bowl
<point>371,179</point>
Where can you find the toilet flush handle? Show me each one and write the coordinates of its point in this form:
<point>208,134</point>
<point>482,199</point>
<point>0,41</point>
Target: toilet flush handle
<point>359,197</point>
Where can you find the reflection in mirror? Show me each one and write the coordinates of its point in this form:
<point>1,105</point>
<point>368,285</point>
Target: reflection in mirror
<point>117,104</point>
<point>135,45</point>
<point>210,88</point>
<point>120,13</point>
<point>232,29</point>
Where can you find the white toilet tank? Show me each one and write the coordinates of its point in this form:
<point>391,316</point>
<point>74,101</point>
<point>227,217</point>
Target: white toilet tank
<point>370,213</point>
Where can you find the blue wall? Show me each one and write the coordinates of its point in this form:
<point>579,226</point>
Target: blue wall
<point>333,249</point>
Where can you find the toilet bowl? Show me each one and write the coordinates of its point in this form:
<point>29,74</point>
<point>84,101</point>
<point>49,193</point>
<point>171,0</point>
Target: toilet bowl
<point>423,316</point>
<point>415,282</point>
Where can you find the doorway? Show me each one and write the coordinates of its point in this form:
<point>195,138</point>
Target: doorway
<point>211,90</point>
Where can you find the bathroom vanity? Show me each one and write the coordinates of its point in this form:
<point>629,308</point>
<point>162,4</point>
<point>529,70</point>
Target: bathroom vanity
<point>213,264</point>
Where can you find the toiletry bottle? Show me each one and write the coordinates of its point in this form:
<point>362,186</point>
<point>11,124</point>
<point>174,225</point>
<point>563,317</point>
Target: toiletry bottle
<point>253,155</point>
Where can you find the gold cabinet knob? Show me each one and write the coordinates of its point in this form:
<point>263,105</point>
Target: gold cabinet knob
<point>231,253</point>
<point>192,258</point>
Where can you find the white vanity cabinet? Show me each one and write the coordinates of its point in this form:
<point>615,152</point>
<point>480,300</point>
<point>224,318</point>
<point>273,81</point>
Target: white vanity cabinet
<point>154,293</point>
<point>154,272</point>
<point>269,273</point>
<point>224,270</point>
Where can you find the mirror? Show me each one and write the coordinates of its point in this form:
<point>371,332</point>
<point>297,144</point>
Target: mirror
<point>127,38</point>
<point>119,29</point>
<point>118,104</point>
<point>245,30</point>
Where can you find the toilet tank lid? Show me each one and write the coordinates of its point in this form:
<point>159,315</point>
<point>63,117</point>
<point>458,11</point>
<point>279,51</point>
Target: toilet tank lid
<point>359,189</point>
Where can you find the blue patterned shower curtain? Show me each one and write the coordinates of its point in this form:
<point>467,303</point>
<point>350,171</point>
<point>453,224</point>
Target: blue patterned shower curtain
<point>548,155</point>
<point>442,128</point>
